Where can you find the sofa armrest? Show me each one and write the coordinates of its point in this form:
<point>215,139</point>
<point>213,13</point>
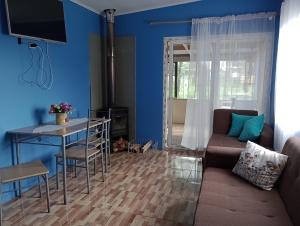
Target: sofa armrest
<point>266,138</point>
<point>223,151</point>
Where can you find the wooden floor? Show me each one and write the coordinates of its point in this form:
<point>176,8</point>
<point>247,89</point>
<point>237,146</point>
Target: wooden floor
<point>156,188</point>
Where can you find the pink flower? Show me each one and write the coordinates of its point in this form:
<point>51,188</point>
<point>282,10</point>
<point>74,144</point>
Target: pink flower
<point>60,108</point>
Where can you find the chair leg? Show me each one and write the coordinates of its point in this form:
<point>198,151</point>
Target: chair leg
<point>47,191</point>
<point>57,179</point>
<point>108,144</point>
<point>71,165</point>
<point>102,158</point>
<point>39,182</point>
<point>87,175</point>
<point>95,166</point>
<point>20,188</point>
<point>1,215</point>
<point>75,168</point>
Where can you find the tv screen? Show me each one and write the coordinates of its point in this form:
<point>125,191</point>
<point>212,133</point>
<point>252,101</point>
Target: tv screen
<point>38,19</point>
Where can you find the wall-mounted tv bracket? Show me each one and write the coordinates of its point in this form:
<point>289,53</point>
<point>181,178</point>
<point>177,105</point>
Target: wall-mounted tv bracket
<point>31,45</point>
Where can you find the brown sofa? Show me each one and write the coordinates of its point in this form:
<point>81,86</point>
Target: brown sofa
<point>224,151</point>
<point>227,200</point>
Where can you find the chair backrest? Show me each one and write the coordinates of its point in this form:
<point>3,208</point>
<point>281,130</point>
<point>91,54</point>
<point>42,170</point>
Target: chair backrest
<point>108,127</point>
<point>289,183</point>
<point>94,134</point>
<point>222,119</point>
<point>93,114</point>
<point>87,133</point>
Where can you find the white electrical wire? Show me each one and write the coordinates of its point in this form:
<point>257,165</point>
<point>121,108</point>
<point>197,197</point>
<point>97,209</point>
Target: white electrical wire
<point>43,79</point>
<point>40,74</point>
<point>22,75</point>
<point>50,67</point>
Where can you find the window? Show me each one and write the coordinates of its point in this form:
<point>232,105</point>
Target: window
<point>236,82</point>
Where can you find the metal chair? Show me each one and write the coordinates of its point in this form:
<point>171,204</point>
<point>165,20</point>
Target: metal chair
<point>106,143</point>
<point>24,171</point>
<point>85,152</point>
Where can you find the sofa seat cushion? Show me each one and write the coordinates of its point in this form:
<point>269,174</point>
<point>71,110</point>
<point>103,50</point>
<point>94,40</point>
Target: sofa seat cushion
<point>227,200</point>
<point>223,151</point>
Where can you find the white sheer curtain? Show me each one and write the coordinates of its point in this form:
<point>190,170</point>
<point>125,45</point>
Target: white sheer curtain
<point>231,65</point>
<point>287,91</point>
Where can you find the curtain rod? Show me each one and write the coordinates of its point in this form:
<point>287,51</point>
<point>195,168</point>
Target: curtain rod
<point>159,22</point>
<point>162,22</point>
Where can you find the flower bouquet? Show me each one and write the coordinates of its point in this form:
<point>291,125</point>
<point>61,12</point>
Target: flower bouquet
<point>60,110</point>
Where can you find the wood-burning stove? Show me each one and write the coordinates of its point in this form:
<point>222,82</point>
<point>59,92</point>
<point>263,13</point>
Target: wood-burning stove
<point>118,115</point>
<point>119,122</point>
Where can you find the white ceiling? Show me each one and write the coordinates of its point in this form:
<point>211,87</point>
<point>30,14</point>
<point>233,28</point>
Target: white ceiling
<point>127,6</point>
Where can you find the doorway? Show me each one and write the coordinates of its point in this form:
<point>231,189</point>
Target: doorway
<point>176,89</point>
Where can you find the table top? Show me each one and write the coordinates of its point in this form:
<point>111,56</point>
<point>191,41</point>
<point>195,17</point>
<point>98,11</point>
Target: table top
<point>56,130</point>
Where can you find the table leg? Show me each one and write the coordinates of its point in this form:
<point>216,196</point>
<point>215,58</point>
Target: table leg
<point>14,141</point>
<point>1,215</point>
<point>18,162</point>
<point>108,145</point>
<point>64,169</point>
<point>106,148</point>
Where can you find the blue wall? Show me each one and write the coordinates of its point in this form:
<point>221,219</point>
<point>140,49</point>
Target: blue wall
<point>149,50</point>
<point>21,103</point>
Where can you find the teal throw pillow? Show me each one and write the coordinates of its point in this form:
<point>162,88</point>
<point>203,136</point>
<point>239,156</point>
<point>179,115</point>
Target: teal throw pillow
<point>252,128</point>
<point>237,124</point>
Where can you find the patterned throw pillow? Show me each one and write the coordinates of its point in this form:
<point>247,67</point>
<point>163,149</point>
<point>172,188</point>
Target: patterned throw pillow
<point>260,166</point>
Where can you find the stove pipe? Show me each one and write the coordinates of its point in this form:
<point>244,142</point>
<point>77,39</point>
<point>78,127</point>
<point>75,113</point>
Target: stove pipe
<point>110,52</point>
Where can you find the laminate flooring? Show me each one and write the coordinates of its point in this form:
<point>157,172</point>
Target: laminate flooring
<point>154,188</point>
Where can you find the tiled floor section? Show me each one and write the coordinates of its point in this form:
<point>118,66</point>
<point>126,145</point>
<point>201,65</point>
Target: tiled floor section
<point>155,188</point>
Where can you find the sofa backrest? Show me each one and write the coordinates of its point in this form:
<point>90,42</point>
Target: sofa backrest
<point>289,184</point>
<point>222,119</point>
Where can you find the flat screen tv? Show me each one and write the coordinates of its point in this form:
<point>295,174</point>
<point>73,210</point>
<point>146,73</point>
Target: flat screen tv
<point>37,19</point>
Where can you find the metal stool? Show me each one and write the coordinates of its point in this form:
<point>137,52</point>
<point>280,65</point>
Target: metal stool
<point>24,171</point>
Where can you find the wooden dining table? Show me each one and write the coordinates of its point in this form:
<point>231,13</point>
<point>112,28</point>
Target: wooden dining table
<point>34,135</point>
